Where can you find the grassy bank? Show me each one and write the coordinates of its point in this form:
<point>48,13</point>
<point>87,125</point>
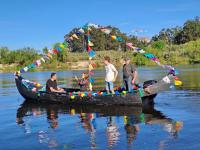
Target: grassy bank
<point>188,53</point>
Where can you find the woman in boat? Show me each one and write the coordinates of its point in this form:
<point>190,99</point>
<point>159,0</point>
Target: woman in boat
<point>83,81</point>
<point>111,75</point>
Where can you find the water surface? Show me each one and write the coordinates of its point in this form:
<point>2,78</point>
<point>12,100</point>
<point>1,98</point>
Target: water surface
<point>173,123</point>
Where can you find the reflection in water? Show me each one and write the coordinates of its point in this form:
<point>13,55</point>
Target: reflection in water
<point>89,116</point>
<point>112,132</point>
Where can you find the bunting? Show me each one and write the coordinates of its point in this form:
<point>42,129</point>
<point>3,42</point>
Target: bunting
<point>91,53</point>
<point>45,58</point>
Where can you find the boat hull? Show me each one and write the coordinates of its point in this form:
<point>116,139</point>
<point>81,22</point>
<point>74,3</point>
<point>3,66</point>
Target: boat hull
<point>131,99</point>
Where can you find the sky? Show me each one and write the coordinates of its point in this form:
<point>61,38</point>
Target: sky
<point>40,23</point>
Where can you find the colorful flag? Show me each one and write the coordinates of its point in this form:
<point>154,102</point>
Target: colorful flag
<point>106,31</point>
<point>81,31</point>
<point>113,37</point>
<point>75,36</point>
<point>92,53</point>
<point>42,59</point>
<point>90,43</point>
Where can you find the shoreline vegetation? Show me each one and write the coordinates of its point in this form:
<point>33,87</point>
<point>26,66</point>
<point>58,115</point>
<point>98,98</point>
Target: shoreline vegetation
<point>173,46</point>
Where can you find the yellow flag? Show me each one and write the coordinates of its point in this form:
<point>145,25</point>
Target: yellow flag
<point>75,36</point>
<point>113,37</point>
<point>90,86</point>
<point>49,55</point>
<point>62,46</point>
<point>90,67</point>
<point>90,43</point>
<point>72,112</point>
<point>125,119</point>
<point>177,82</point>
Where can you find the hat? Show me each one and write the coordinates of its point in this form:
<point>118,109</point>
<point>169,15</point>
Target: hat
<point>126,58</point>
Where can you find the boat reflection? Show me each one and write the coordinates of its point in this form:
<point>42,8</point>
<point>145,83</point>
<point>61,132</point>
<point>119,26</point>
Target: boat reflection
<point>88,116</point>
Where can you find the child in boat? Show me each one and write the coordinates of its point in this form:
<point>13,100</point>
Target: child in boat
<point>111,75</point>
<point>83,81</point>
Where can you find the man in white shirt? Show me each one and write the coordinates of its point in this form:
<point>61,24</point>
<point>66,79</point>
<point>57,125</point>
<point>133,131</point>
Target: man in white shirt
<point>111,75</point>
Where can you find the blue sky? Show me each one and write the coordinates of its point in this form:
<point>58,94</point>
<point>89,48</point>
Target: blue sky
<point>40,23</point>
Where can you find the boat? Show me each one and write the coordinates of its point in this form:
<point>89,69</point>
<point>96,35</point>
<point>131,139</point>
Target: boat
<point>122,98</point>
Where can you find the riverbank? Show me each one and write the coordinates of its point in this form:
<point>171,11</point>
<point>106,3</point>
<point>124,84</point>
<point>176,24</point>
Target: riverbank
<point>79,61</point>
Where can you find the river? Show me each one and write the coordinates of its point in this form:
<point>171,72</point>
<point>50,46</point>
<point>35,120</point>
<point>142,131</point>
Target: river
<point>173,123</point>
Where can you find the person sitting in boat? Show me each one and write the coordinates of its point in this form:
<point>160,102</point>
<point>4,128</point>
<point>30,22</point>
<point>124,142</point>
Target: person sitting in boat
<point>51,85</point>
<point>129,75</point>
<point>83,81</point>
<point>111,75</point>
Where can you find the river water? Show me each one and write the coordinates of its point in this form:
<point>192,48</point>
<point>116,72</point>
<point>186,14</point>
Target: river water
<point>173,123</point>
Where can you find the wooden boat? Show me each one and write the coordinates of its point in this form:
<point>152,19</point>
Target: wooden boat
<point>129,99</point>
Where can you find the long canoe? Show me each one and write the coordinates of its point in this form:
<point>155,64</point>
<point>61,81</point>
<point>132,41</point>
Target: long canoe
<point>129,99</point>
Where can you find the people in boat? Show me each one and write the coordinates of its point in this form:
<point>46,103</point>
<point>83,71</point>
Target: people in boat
<point>83,81</point>
<point>51,85</point>
<point>111,75</point>
<point>129,75</point>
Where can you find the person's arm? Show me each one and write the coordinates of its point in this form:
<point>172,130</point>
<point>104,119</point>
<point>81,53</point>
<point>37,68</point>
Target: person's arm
<point>135,75</point>
<point>115,73</point>
<point>59,90</point>
<point>53,90</point>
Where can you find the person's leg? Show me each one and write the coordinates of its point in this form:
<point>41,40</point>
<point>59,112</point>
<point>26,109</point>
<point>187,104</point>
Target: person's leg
<point>107,88</point>
<point>130,85</point>
<point>125,84</point>
<point>112,87</point>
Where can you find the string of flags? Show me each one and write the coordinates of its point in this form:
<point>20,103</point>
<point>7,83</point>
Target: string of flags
<point>45,58</point>
<point>85,30</point>
<point>91,54</point>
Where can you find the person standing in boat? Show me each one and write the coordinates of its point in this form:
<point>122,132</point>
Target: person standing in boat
<point>51,85</point>
<point>111,75</point>
<point>129,75</point>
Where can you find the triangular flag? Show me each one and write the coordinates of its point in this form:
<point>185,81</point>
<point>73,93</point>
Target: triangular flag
<point>106,31</point>
<point>94,65</point>
<point>49,55</point>
<point>89,48</point>
<point>118,38</point>
<point>26,69</point>
<point>58,49</point>
<point>42,59</point>
<point>177,82</point>
<point>90,67</point>
<point>22,71</point>
<point>148,55</point>
<point>142,51</point>
<point>166,80</point>
<point>62,46</point>
<point>113,37</point>
<point>92,53</point>
<point>91,73</point>
<point>91,80</point>
<point>71,38</point>
<point>90,43</point>
<point>55,51</point>
<point>38,62</point>
<point>90,86</point>
<point>81,30</point>
<point>75,36</point>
